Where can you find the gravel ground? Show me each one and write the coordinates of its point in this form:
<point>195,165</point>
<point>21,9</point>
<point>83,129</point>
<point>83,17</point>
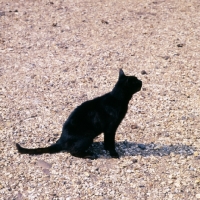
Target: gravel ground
<point>57,54</point>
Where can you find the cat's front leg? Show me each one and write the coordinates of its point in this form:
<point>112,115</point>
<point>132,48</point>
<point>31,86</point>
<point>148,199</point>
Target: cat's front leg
<point>109,144</point>
<point>113,153</point>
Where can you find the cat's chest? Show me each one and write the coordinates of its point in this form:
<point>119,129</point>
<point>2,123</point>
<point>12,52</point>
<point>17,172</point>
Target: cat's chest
<point>116,112</point>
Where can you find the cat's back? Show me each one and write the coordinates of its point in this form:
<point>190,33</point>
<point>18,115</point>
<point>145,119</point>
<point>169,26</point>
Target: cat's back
<point>89,106</point>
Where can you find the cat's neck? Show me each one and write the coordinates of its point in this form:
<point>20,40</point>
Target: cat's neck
<point>120,94</point>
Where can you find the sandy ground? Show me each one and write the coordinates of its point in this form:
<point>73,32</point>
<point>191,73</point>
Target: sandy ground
<point>57,54</point>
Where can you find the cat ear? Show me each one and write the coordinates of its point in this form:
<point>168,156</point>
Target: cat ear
<point>121,73</point>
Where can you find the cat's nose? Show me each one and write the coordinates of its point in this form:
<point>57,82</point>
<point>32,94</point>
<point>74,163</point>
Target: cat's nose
<point>140,84</point>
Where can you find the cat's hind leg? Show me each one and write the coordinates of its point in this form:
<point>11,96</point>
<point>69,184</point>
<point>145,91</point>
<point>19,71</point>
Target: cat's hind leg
<point>79,149</point>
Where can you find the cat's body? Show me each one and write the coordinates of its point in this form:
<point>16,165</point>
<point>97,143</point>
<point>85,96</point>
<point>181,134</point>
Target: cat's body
<point>90,119</point>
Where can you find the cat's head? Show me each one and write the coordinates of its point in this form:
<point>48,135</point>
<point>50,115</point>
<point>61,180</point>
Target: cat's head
<point>130,84</point>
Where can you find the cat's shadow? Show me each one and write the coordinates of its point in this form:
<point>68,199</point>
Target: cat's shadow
<point>127,148</point>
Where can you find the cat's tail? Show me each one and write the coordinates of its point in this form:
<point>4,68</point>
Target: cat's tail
<point>55,148</point>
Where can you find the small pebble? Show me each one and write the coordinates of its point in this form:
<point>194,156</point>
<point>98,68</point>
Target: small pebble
<point>166,57</point>
<point>104,22</point>
<point>180,45</point>
<point>134,160</point>
<point>143,72</point>
<point>2,13</point>
<point>134,126</point>
<point>142,146</point>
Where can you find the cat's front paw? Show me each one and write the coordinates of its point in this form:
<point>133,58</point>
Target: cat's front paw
<point>114,154</point>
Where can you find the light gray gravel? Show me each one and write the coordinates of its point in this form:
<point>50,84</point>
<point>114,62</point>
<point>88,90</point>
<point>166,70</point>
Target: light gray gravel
<point>57,54</point>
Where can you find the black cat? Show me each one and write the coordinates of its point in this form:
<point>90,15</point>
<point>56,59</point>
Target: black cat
<point>90,119</point>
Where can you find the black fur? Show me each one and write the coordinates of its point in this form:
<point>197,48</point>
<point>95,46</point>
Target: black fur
<point>90,119</point>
